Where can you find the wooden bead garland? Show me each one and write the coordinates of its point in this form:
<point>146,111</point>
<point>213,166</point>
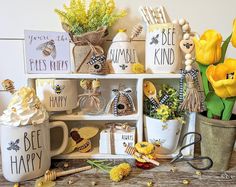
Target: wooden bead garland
<point>187,44</point>
<point>192,102</point>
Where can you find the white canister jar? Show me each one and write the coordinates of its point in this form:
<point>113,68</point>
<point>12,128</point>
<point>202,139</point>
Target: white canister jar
<point>163,54</point>
<point>165,134</point>
<point>58,94</point>
<point>122,54</point>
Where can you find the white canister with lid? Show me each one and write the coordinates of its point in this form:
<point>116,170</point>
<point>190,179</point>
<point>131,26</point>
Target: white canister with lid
<point>122,53</point>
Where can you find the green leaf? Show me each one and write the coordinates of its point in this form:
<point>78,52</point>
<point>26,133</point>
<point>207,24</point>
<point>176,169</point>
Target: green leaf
<point>205,82</point>
<point>224,49</point>
<point>229,105</point>
<point>214,104</point>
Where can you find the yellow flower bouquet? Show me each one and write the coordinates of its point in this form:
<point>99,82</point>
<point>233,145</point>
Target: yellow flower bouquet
<point>77,19</point>
<point>87,25</point>
<point>218,73</point>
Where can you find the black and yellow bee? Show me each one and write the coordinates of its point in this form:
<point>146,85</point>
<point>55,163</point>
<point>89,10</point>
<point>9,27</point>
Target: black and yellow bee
<point>158,142</point>
<point>58,88</point>
<point>48,48</point>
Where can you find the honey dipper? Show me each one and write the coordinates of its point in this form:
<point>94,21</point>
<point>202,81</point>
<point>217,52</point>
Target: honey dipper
<point>132,151</point>
<point>8,85</point>
<point>51,175</point>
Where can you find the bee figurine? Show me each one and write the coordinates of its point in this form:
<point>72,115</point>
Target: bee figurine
<point>48,48</point>
<point>14,145</point>
<point>58,89</point>
<point>158,142</point>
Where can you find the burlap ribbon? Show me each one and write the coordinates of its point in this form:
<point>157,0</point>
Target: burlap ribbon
<point>93,39</point>
<point>113,127</point>
<point>94,49</point>
<point>93,97</point>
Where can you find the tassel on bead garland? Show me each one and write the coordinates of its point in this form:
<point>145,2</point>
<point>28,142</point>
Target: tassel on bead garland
<point>192,100</point>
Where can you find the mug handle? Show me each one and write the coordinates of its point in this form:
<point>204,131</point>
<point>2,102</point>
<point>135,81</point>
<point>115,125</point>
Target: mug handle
<point>65,137</point>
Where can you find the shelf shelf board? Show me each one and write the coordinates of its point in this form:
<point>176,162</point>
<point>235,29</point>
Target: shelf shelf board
<point>103,117</point>
<point>94,154</point>
<point>109,76</point>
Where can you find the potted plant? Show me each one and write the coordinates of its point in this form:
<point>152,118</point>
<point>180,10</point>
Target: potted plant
<point>217,125</point>
<point>87,28</point>
<point>163,124</point>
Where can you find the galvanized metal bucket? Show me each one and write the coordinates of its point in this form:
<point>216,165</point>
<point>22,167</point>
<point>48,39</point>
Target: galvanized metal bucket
<point>218,138</point>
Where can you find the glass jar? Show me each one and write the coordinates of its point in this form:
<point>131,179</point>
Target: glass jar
<point>92,102</point>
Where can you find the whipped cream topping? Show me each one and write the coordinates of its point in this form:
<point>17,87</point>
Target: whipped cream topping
<point>25,108</point>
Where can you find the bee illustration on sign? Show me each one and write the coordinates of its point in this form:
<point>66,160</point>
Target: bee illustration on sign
<point>14,145</point>
<point>155,40</point>
<point>58,88</point>
<point>48,48</point>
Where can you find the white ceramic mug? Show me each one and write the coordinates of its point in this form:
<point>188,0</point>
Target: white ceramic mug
<point>58,94</point>
<point>26,150</point>
<point>163,53</point>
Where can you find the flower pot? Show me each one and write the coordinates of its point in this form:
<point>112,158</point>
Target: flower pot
<point>163,53</point>
<point>218,138</point>
<point>165,134</point>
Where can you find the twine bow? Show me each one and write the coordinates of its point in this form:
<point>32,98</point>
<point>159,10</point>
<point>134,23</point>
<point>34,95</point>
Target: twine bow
<point>116,126</point>
<point>94,49</point>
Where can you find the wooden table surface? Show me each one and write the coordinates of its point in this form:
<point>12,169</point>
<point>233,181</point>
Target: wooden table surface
<point>160,176</point>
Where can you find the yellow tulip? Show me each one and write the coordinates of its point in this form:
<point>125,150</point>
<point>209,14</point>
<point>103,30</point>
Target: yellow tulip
<point>223,78</point>
<point>208,48</point>
<point>233,39</point>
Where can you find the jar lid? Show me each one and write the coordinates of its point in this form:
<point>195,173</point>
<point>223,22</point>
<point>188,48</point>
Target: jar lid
<point>121,36</point>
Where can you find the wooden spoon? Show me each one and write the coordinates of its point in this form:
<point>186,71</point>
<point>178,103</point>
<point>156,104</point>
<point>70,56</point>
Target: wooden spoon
<point>151,93</point>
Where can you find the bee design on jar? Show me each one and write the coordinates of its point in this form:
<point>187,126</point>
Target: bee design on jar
<point>58,89</point>
<point>122,103</point>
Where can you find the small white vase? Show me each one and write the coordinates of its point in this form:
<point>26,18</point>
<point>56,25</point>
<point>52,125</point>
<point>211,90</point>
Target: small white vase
<point>165,134</point>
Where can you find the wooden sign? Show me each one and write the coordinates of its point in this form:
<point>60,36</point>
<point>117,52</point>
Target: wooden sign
<point>47,52</point>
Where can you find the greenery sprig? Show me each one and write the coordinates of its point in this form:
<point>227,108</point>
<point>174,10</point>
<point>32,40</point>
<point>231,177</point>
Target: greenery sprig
<point>79,19</point>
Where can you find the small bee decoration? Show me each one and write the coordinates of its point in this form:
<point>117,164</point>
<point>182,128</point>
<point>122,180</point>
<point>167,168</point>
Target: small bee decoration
<point>230,76</point>
<point>158,142</point>
<point>48,48</point>
<point>14,145</point>
<point>188,45</point>
<point>155,40</point>
<point>164,127</point>
<point>58,89</point>
<point>123,66</point>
